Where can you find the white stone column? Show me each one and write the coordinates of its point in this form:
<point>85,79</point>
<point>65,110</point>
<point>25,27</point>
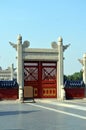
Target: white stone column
<point>83,62</point>
<point>20,69</point>
<point>60,73</point>
<point>84,68</point>
<point>84,71</point>
<point>20,65</point>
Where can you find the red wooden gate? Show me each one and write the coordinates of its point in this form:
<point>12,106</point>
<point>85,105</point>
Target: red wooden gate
<point>42,77</point>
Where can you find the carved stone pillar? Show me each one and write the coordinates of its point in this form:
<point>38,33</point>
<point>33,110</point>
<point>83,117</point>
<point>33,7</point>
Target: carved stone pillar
<point>20,68</point>
<point>20,77</point>
<point>60,69</point>
<point>83,62</point>
<point>84,68</point>
<point>20,65</point>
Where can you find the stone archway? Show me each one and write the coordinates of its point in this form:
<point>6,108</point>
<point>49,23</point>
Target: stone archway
<point>55,54</point>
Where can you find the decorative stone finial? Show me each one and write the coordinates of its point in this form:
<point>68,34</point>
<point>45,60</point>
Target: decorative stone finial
<point>60,39</point>
<point>26,44</point>
<point>84,55</point>
<point>19,37</point>
<point>54,45</point>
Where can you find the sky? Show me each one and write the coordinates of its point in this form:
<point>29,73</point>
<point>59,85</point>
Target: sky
<point>42,22</point>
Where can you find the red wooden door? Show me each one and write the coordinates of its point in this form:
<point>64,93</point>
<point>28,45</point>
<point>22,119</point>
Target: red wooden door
<point>42,77</point>
<point>31,76</point>
<point>49,80</point>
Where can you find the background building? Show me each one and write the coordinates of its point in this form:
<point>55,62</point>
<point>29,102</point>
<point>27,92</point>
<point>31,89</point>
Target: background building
<point>8,74</point>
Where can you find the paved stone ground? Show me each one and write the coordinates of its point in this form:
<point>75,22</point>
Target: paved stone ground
<point>43,115</point>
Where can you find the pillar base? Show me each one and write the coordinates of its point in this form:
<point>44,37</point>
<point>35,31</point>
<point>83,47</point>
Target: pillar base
<point>21,100</point>
<point>63,97</point>
<point>21,95</point>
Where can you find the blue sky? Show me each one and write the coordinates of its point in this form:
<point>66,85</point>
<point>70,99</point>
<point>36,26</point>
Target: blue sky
<point>41,22</point>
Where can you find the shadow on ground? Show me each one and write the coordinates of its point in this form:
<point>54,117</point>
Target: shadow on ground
<point>4,113</point>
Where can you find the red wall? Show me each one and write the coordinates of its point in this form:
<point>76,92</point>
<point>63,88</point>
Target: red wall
<point>72,93</point>
<point>10,93</point>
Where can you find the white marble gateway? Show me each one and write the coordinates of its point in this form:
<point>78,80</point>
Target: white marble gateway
<point>55,53</point>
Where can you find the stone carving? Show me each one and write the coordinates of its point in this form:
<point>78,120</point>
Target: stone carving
<point>65,47</point>
<point>54,45</point>
<point>26,44</point>
<point>81,61</point>
<point>13,45</point>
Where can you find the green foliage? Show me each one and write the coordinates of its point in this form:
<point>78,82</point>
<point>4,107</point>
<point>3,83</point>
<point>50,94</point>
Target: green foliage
<point>75,76</point>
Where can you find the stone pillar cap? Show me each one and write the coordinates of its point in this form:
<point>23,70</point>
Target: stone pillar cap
<point>84,55</point>
<point>60,39</point>
<point>19,37</point>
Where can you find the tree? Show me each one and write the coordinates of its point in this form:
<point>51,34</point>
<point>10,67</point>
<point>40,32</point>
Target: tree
<point>0,68</point>
<point>75,76</point>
